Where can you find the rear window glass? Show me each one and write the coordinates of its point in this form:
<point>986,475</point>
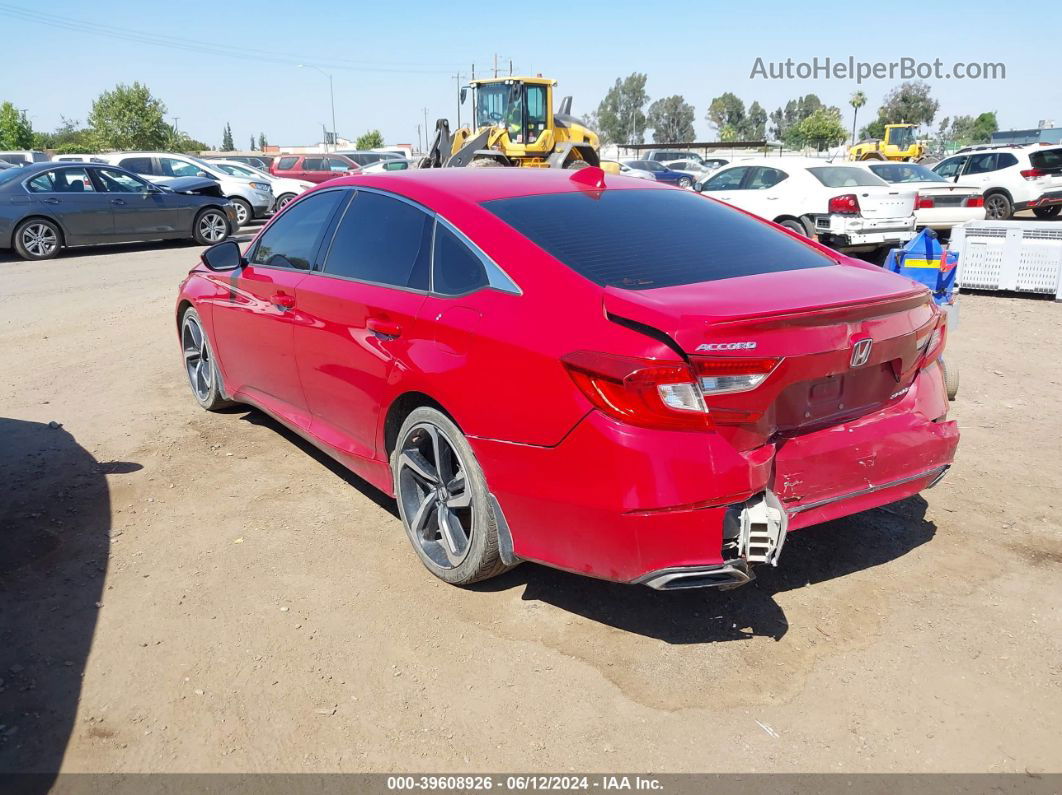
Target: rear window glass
<point>1048,158</point>
<point>905,172</point>
<point>843,176</point>
<point>641,239</point>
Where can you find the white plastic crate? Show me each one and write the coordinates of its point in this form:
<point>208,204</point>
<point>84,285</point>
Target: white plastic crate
<point>1024,256</point>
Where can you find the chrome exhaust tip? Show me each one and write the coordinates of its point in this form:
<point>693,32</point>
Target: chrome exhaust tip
<point>724,576</point>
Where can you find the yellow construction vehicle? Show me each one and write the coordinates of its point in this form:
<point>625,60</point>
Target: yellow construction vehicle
<point>899,144</point>
<point>514,125</point>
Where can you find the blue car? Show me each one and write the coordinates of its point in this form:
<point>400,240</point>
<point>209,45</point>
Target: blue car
<point>662,172</point>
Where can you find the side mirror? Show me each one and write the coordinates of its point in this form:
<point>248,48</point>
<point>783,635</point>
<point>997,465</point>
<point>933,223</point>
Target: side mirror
<point>223,256</point>
<point>464,94</point>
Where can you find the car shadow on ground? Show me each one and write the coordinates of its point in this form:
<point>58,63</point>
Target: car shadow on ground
<point>55,535</point>
<point>810,556</point>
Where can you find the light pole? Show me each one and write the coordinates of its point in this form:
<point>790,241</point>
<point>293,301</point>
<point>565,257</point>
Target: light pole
<point>331,97</point>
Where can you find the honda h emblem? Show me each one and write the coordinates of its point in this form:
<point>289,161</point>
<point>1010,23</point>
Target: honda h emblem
<point>861,352</point>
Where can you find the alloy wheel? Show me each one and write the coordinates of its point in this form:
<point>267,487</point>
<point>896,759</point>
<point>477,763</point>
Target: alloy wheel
<point>40,240</point>
<point>197,358</point>
<point>242,214</point>
<point>213,227</point>
<point>435,495</point>
<point>996,207</point>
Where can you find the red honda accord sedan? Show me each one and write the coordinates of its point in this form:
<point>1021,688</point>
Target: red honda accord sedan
<point>608,376</point>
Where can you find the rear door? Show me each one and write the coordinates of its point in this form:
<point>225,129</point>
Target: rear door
<point>361,309</point>
<point>315,169</point>
<point>253,325</point>
<point>69,195</point>
<point>763,193</point>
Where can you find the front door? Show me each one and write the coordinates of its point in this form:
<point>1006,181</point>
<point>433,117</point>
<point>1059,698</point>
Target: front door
<point>361,314</point>
<point>253,325</point>
<point>141,211</point>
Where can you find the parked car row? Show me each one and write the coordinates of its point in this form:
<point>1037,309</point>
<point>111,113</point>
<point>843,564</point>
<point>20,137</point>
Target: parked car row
<point>1011,178</point>
<point>45,207</point>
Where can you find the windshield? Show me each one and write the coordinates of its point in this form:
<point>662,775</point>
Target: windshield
<point>238,171</point>
<point>844,176</point>
<point>641,239</point>
<point>492,105</point>
<point>903,137</point>
<point>905,172</point>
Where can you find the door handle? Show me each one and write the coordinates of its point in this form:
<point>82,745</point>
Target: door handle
<point>383,328</point>
<point>51,200</point>
<point>118,202</point>
<point>282,301</point>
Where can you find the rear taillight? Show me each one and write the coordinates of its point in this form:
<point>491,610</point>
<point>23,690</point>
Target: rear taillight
<point>847,204</point>
<point>1033,173</point>
<point>935,346</point>
<point>641,392</point>
<point>974,201</point>
<point>923,202</point>
<point>731,374</point>
<point>669,395</point>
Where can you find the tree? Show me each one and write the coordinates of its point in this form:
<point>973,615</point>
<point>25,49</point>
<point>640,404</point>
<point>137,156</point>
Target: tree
<point>16,132</point>
<point>227,144</point>
<point>795,111</point>
<point>372,139</point>
<point>621,116</point>
<point>973,130</point>
<point>908,103</point>
<point>822,129</point>
<point>857,100</point>
<point>128,117</point>
<point>672,120</point>
<point>251,149</point>
<point>727,114</point>
<point>262,142</point>
<point>755,123</point>
<point>874,131</point>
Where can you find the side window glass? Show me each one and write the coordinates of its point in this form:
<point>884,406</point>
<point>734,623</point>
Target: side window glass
<point>727,180</point>
<point>949,168</point>
<point>313,164</point>
<point>763,178</point>
<point>456,268</point>
<point>291,241</point>
<point>171,167</point>
<point>982,164</point>
<point>382,240</point>
<point>119,182</point>
<point>67,180</point>
<point>286,163</point>
<point>138,165</point>
<point>1005,159</point>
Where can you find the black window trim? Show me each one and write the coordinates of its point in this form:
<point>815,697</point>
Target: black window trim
<point>491,268</point>
<point>329,230</point>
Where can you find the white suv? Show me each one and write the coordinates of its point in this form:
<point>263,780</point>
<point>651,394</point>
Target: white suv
<point>1012,178</point>
<point>846,206</point>
<point>252,198</point>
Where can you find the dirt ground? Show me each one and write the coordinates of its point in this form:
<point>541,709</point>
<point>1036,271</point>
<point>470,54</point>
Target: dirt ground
<point>185,591</point>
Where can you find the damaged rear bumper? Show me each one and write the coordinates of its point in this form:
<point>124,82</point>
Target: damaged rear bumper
<point>675,510</point>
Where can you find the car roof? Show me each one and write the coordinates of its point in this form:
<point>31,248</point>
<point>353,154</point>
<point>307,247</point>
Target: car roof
<point>476,185</point>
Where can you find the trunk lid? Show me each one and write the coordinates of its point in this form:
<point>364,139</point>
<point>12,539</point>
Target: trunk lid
<point>883,202</point>
<point>810,320</point>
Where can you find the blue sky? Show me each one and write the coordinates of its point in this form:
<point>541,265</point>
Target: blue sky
<point>390,61</point>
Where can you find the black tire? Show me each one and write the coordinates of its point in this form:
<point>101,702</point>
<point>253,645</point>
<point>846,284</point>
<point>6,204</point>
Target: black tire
<point>283,200</point>
<point>38,239</point>
<point>485,162</point>
<point>461,554</point>
<point>199,364</point>
<point>1047,213</point>
<point>796,226</point>
<point>211,226</point>
<point>951,379</point>
<point>244,213</point>
<point>576,164</point>
<point>685,182</point>
<point>998,207</point>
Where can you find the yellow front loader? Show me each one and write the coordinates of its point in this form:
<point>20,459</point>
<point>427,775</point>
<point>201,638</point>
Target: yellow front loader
<point>514,125</point>
<point>899,143</point>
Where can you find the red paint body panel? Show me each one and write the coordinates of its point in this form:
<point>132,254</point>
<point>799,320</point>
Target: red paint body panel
<point>579,490</point>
